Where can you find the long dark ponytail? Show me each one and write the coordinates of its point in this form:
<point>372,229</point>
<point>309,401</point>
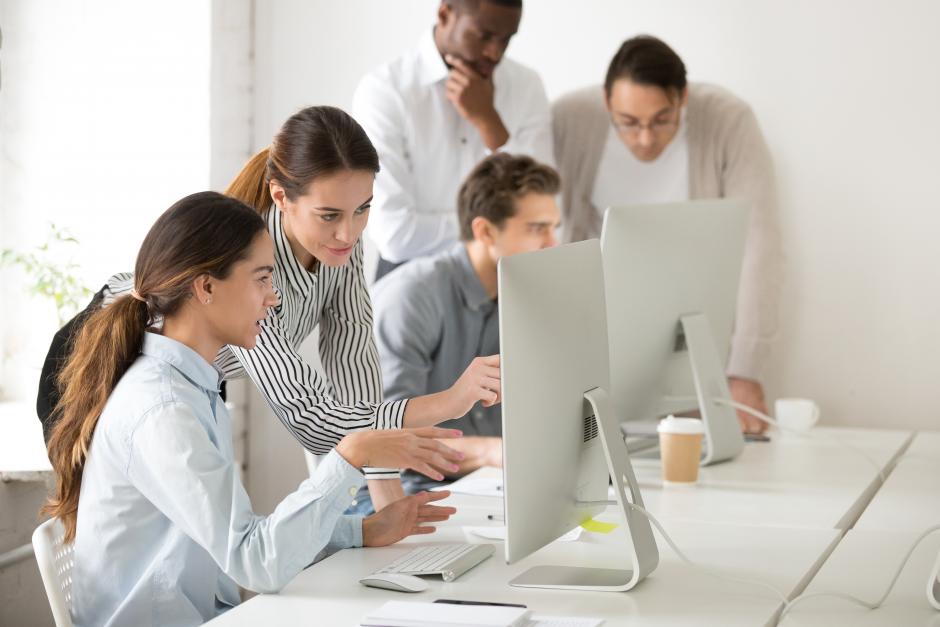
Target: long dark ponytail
<point>205,233</point>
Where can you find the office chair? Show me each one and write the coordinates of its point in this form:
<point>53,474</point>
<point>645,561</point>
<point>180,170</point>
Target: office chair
<point>55,566</point>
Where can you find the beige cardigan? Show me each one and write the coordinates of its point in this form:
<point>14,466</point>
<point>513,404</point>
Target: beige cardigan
<point>728,157</point>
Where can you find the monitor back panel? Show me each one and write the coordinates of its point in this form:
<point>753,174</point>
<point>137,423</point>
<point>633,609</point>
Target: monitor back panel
<point>553,343</point>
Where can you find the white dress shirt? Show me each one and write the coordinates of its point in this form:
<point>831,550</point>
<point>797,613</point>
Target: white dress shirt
<point>622,179</point>
<point>165,529</point>
<point>426,148</point>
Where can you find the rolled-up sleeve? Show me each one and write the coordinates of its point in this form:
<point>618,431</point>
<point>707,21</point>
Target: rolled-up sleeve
<point>749,175</point>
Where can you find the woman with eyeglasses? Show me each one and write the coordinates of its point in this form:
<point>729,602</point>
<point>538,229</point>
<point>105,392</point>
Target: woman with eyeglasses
<point>147,487</point>
<point>648,137</point>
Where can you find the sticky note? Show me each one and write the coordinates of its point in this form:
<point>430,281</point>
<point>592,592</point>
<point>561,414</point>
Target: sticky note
<point>595,526</point>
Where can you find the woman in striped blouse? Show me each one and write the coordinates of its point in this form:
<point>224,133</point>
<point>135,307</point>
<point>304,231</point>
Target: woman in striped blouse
<point>313,187</point>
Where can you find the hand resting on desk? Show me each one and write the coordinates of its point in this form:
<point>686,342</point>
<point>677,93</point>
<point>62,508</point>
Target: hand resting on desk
<point>405,517</point>
<point>750,393</point>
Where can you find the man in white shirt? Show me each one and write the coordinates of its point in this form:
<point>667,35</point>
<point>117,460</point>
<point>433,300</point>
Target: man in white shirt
<point>435,112</point>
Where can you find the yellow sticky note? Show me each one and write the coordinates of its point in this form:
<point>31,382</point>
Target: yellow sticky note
<point>595,526</point>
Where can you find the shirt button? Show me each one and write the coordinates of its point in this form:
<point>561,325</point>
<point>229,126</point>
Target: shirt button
<point>463,140</point>
<point>353,491</point>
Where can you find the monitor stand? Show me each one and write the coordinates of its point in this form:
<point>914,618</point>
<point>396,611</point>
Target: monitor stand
<point>723,439</point>
<point>933,585</point>
<point>644,554</point>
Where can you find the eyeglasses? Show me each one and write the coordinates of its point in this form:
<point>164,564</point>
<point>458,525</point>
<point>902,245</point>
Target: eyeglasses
<point>656,127</point>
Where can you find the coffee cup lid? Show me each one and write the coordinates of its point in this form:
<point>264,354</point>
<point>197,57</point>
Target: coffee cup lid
<point>671,424</point>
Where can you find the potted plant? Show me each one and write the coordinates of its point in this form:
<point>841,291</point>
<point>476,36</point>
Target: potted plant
<point>51,275</point>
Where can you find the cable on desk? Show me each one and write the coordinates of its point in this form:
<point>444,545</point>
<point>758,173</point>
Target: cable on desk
<point>871,605</point>
<point>788,605</point>
<point>705,569</point>
<point>765,418</point>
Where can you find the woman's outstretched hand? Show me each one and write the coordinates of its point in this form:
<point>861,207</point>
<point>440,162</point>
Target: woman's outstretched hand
<point>417,449</point>
<point>480,382</point>
<point>405,517</point>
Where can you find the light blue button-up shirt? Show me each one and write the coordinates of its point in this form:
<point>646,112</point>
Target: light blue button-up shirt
<point>165,530</point>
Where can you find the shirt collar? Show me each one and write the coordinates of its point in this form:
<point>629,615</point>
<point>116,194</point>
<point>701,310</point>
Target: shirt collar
<point>431,67</point>
<point>471,289</point>
<point>189,363</point>
<point>296,274</point>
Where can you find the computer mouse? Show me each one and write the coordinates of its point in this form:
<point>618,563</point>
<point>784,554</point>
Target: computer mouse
<point>395,581</point>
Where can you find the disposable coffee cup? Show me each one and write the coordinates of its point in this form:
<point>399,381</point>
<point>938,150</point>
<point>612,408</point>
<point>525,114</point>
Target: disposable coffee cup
<point>796,414</point>
<point>680,445</point>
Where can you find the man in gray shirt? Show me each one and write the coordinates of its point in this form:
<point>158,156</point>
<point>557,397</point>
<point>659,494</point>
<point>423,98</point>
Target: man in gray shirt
<point>433,316</point>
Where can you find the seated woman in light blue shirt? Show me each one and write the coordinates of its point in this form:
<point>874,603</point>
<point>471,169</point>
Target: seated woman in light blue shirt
<point>147,487</point>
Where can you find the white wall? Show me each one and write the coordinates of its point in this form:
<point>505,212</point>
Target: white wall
<point>104,122</point>
<point>105,111</point>
<point>847,93</point>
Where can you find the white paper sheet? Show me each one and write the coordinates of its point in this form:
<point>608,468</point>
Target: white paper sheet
<point>499,533</point>
<point>563,621</point>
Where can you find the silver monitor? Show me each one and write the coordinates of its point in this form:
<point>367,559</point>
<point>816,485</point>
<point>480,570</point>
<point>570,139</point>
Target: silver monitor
<point>561,443</point>
<point>671,276</point>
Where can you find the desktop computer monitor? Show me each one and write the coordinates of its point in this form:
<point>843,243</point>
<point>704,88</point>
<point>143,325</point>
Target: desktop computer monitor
<point>561,443</point>
<point>671,274</point>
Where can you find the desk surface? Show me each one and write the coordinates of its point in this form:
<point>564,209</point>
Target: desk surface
<point>925,448</point>
<point>771,515</point>
<point>862,565</point>
<point>793,481</point>
<point>676,594</point>
<point>808,481</point>
<point>910,498</point>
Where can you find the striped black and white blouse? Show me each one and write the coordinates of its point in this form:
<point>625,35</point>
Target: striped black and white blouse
<point>318,410</point>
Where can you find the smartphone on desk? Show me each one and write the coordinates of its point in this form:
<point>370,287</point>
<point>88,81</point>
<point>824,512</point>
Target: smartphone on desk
<point>462,602</point>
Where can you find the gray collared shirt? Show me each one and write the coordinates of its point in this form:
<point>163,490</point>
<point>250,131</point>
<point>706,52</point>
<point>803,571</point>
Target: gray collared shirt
<point>432,317</point>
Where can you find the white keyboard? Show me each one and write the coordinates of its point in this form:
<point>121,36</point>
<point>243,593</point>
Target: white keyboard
<point>447,560</point>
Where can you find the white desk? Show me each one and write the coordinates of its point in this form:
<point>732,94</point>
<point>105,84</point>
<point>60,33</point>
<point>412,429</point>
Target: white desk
<point>792,481</point>
<point>924,449</point>
<point>910,498</point>
<point>862,565</point>
<point>328,593</point>
<point>807,482</point>
<point>772,515</point>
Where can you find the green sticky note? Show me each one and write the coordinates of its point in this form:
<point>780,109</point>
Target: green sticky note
<point>595,526</point>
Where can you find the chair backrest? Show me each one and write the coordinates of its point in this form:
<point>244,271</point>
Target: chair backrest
<point>55,561</point>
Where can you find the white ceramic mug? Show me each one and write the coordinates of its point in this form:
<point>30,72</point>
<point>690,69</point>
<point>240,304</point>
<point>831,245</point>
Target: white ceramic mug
<point>796,414</point>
